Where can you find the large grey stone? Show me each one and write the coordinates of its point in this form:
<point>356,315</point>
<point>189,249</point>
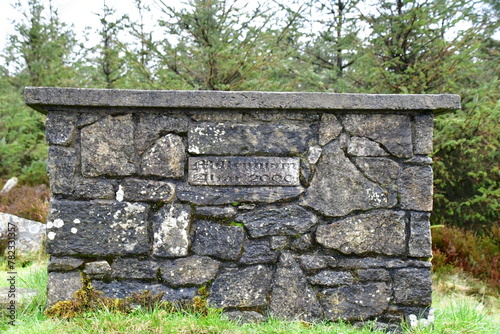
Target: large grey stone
<point>420,243</point>
<point>381,232</point>
<point>201,195</point>
<point>124,289</point>
<point>424,127</point>
<point>241,139</point>
<point>258,251</point>
<point>166,158</point>
<point>62,286</point>
<point>62,168</point>
<point>134,268</point>
<point>189,271</point>
<point>292,296</point>
<point>93,188</point>
<point>151,126</point>
<point>29,234</point>
<point>339,188</point>
<point>241,287</point>
<point>60,128</point>
<point>313,262</point>
<point>381,170</point>
<point>364,147</point>
<point>171,226</point>
<point>108,147</point>
<point>415,188</point>
<point>355,302</point>
<point>221,241</point>
<point>332,278</point>
<point>97,269</point>
<point>218,212</point>
<point>392,131</point>
<point>146,190</point>
<point>64,263</point>
<point>413,286</point>
<point>277,220</point>
<point>329,128</point>
<point>373,275</point>
<point>99,228</point>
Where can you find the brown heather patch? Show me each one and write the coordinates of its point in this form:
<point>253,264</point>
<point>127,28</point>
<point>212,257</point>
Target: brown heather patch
<point>26,202</point>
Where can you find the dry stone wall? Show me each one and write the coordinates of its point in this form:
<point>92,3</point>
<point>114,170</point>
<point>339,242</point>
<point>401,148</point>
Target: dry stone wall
<point>302,206</point>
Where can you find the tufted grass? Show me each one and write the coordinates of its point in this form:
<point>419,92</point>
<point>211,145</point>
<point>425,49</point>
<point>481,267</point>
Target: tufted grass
<point>462,305</point>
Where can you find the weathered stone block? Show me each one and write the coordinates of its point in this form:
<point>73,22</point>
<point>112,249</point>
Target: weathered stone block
<point>329,128</point>
<point>189,271</point>
<point>119,289</point>
<point>303,243</point>
<point>171,226</point>
<point>62,286</point>
<point>134,268</point>
<point>97,269</point>
<point>420,244</point>
<point>391,131</point>
<point>381,232</point>
<point>313,262</point>
<point>60,128</point>
<point>108,147</point>
<point>93,189</point>
<point>332,278</point>
<point>97,228</point>
<point>241,287</point>
<point>381,170</point>
<point>145,190</point>
<point>152,126</point>
<point>258,251</point>
<point>364,147</point>
<point>166,158</point>
<point>218,212</point>
<point>355,302</point>
<point>241,139</point>
<point>373,275</point>
<point>65,263</point>
<point>292,296</point>
<point>412,286</point>
<point>62,168</point>
<point>415,188</point>
<point>277,220</point>
<point>424,126</point>
<point>223,242</point>
<point>339,188</point>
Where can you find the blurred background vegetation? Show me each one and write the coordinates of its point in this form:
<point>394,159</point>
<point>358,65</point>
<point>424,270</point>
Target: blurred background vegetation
<point>342,46</point>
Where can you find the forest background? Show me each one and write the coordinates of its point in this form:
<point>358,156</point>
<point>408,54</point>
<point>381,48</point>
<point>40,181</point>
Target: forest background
<point>341,46</point>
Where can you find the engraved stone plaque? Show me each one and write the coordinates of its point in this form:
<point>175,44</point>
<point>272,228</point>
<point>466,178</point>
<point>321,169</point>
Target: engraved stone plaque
<point>247,171</point>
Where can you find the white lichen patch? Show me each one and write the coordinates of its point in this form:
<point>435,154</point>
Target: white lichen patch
<point>74,230</point>
<point>50,224</point>
<point>58,223</point>
<point>134,208</point>
<point>51,235</point>
<point>120,193</point>
<point>76,221</point>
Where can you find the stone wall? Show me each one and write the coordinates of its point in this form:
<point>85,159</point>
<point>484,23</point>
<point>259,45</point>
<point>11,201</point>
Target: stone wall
<point>303,206</point>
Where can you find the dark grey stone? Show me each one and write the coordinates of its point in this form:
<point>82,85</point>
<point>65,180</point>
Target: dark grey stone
<point>207,195</point>
<point>218,212</point>
<point>277,220</point>
<point>145,190</point>
<point>60,128</point>
<point>152,126</point>
<point>166,158</point>
<point>339,188</point>
<point>189,271</point>
<point>97,269</point>
<point>258,251</point>
<point>373,275</point>
<point>279,242</point>
<point>424,126</point>
<point>241,139</point>
<point>329,128</point>
<point>292,296</point>
<point>246,171</point>
<point>62,167</point>
<point>392,131</point>
<point>364,147</point>
<point>124,289</point>
<point>64,263</point>
<point>108,147</point>
<point>381,232</point>
<point>412,286</point>
<point>97,228</point>
<point>223,242</point>
<point>302,243</point>
<point>420,243</point>
<point>379,262</point>
<point>241,287</point>
<point>243,317</point>
<point>93,189</point>
<point>134,268</point>
<point>355,302</point>
<point>38,97</point>
<point>171,225</point>
<point>381,170</point>
<point>332,278</point>
<point>415,188</point>
<point>62,286</point>
<point>312,262</point>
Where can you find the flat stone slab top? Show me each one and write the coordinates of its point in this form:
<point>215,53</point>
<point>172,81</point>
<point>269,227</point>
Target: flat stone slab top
<point>36,97</point>
<point>302,206</point>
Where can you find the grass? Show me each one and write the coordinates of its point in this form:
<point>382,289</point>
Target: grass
<point>462,305</point>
